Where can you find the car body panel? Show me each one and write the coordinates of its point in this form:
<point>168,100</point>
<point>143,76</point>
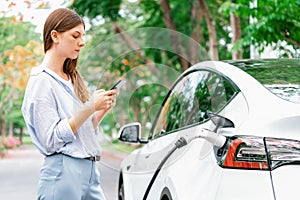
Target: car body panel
<point>245,184</point>
<point>192,172</point>
<point>141,164</point>
<point>285,179</point>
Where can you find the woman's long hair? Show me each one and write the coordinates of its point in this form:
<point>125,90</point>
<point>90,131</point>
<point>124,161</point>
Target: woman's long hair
<point>61,20</point>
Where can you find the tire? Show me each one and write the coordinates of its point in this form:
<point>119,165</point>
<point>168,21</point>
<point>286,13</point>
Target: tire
<point>121,189</point>
<point>165,195</point>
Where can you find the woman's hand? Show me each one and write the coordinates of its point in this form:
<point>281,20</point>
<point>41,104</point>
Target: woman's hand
<point>104,100</point>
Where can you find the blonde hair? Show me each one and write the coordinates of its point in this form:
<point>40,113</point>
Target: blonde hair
<point>61,20</point>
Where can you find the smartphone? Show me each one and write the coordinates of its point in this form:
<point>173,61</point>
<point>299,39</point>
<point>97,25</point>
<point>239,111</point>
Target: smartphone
<point>119,84</point>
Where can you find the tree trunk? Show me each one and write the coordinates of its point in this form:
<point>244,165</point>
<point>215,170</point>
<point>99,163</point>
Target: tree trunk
<point>135,47</point>
<point>165,6</point>
<point>21,135</point>
<point>236,30</point>
<point>286,35</point>
<point>196,36</point>
<point>3,128</point>
<point>213,47</point>
<point>7,98</point>
<point>4,111</point>
<point>11,129</point>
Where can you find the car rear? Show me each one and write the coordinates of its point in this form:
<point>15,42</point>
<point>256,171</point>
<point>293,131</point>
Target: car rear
<point>262,160</point>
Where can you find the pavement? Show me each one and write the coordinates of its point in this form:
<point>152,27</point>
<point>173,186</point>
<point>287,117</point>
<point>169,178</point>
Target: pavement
<point>19,171</point>
<point>20,167</point>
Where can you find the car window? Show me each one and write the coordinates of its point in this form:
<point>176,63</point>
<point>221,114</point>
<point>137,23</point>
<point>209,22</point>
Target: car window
<point>191,99</point>
<point>279,76</point>
<point>282,81</point>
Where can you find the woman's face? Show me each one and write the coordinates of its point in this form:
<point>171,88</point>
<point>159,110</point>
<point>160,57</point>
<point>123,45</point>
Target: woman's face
<point>71,41</point>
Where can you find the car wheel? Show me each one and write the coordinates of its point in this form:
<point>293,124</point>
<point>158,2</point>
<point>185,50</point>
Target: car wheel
<point>121,190</point>
<point>165,195</point>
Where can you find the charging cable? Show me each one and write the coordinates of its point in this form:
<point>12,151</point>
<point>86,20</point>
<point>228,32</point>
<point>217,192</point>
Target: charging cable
<point>213,137</point>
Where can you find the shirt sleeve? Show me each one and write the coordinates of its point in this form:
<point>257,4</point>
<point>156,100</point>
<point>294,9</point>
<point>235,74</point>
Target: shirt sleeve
<point>49,132</point>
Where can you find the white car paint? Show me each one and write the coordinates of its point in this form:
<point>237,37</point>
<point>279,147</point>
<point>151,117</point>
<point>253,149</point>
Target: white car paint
<point>192,172</point>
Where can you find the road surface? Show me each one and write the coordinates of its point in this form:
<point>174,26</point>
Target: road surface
<point>19,172</point>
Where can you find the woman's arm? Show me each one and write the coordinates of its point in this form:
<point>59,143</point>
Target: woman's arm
<point>98,117</point>
<point>102,102</point>
<point>78,119</point>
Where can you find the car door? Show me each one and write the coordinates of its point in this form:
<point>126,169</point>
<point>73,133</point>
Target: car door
<point>187,105</point>
<point>185,113</point>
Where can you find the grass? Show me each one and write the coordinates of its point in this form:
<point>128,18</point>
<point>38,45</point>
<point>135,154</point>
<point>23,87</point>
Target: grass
<point>123,147</point>
<point>115,145</point>
<point>26,139</point>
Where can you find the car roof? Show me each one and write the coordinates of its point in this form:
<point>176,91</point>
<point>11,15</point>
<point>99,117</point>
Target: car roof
<point>258,97</point>
<point>248,64</point>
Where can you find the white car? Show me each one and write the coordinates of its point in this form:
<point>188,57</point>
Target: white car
<point>226,130</point>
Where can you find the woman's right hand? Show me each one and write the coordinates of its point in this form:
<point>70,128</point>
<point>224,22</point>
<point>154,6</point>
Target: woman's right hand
<point>104,100</point>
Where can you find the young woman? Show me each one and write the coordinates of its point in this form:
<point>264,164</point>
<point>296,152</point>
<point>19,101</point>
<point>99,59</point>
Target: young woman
<point>61,117</point>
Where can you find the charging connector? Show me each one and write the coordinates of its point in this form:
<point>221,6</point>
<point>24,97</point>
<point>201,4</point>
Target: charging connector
<point>213,137</point>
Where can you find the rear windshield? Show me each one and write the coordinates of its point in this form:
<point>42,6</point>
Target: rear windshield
<point>281,77</point>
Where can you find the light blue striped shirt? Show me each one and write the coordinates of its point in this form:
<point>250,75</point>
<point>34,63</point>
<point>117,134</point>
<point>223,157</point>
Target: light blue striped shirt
<point>47,105</point>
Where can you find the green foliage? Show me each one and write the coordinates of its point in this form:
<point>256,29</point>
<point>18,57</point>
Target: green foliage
<point>16,33</point>
<point>273,21</point>
<point>93,8</point>
<point>152,13</point>
<point>239,7</point>
<point>15,116</point>
<point>18,55</point>
<point>277,19</point>
<point>103,63</point>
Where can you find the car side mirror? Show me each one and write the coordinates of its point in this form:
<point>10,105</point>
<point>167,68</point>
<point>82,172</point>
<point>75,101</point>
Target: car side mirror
<point>131,133</point>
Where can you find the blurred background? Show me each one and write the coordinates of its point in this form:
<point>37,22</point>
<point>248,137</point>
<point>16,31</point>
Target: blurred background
<point>147,42</point>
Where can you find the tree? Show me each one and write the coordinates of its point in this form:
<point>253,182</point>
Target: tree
<point>235,23</point>
<point>181,43</point>
<point>213,45</point>
<point>14,73</point>
<point>14,33</point>
<point>16,59</point>
<point>274,22</point>
<point>185,17</point>
<point>21,51</point>
<point>109,12</point>
<point>220,29</point>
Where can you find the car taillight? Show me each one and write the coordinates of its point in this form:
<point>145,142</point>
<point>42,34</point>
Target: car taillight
<point>282,152</point>
<point>245,152</point>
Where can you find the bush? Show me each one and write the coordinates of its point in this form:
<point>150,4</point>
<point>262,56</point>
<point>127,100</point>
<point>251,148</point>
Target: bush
<point>11,142</point>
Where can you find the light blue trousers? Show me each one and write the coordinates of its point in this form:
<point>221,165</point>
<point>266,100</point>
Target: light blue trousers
<point>66,178</point>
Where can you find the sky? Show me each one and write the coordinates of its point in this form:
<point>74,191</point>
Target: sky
<point>33,15</point>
